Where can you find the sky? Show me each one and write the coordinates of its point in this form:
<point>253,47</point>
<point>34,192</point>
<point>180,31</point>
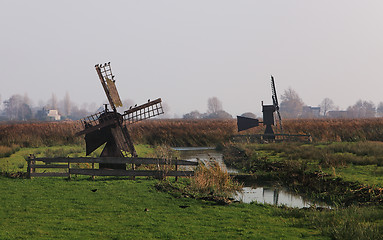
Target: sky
<point>188,51</point>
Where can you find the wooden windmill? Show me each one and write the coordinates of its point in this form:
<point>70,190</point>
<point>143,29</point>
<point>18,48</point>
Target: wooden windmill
<point>109,126</point>
<point>245,123</point>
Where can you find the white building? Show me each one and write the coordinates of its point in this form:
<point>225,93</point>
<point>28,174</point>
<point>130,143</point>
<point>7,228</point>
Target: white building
<point>53,115</point>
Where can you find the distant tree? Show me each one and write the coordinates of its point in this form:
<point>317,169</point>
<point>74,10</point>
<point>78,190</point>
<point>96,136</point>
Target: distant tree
<point>291,104</point>
<point>221,114</point>
<point>66,105</point>
<point>362,109</point>
<point>379,109</point>
<point>77,113</point>
<point>52,103</point>
<point>249,115</point>
<point>16,109</point>
<point>213,105</point>
<point>326,105</point>
<point>192,115</point>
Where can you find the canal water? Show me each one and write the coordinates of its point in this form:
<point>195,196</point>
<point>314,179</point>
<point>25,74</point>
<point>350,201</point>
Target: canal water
<point>264,193</point>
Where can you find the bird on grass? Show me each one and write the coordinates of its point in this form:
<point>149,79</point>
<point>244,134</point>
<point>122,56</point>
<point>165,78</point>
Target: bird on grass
<point>184,206</point>
<point>94,190</point>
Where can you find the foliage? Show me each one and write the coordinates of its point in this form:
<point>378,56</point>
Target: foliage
<point>291,104</point>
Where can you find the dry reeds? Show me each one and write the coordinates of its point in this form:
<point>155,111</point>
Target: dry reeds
<point>190,132</point>
<point>212,179</point>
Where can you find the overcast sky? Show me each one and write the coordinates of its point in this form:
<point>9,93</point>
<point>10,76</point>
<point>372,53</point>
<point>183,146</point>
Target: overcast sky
<point>188,51</point>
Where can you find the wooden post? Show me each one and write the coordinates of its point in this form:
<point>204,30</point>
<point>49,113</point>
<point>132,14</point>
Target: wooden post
<point>176,169</point>
<point>133,168</point>
<point>29,167</point>
<point>69,176</point>
<point>93,177</point>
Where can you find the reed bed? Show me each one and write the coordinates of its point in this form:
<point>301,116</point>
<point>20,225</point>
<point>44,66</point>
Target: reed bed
<point>177,132</point>
<point>39,134</point>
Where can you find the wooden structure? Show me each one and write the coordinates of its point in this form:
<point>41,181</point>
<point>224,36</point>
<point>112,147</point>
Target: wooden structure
<point>65,167</point>
<point>109,128</point>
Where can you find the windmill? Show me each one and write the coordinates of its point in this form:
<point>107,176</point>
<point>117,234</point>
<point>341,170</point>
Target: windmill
<point>245,123</point>
<point>109,126</point>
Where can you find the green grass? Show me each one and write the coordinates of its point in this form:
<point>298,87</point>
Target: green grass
<point>53,208</point>
<point>17,163</point>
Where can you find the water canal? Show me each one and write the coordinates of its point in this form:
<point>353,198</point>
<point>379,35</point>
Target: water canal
<point>263,193</point>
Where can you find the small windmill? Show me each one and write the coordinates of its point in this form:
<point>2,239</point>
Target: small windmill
<point>245,123</point>
<point>109,126</point>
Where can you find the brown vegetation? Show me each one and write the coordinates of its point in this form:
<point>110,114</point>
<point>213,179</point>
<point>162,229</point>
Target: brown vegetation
<point>190,132</point>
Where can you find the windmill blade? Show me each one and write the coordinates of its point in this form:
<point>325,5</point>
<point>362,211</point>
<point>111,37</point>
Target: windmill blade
<point>144,111</point>
<point>280,121</point>
<point>123,141</point>
<point>244,123</point>
<point>274,93</point>
<point>113,92</point>
<point>105,73</point>
<point>275,102</point>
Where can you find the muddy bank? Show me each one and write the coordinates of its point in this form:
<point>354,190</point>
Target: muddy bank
<point>297,176</point>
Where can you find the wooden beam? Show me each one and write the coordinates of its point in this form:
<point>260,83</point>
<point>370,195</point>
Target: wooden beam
<point>118,160</point>
<point>49,174</point>
<point>49,166</point>
<point>141,173</point>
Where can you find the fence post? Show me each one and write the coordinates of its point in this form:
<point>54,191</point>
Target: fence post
<point>69,176</point>
<point>29,166</point>
<point>176,169</point>
<point>93,177</point>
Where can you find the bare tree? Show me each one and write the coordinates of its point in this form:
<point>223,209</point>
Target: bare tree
<point>379,109</point>
<point>52,103</point>
<point>362,109</point>
<point>326,105</point>
<point>67,105</point>
<point>17,109</point>
<point>214,105</point>
<point>291,104</point>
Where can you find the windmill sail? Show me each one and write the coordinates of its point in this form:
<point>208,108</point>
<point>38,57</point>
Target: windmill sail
<point>115,97</point>
<point>144,111</point>
<point>275,102</point>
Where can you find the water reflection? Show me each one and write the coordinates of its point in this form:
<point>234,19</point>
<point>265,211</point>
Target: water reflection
<point>274,196</point>
<point>264,194</point>
<point>205,155</point>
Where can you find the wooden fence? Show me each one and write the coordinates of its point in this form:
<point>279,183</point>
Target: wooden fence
<point>70,166</point>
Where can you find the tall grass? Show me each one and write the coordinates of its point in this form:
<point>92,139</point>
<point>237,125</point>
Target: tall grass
<point>189,132</point>
<point>39,134</point>
<point>212,179</point>
<point>209,182</point>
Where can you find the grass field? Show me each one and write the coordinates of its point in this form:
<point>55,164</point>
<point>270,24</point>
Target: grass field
<point>58,209</point>
<point>55,208</point>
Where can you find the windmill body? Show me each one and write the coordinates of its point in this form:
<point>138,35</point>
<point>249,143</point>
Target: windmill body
<point>109,127</point>
<point>268,111</point>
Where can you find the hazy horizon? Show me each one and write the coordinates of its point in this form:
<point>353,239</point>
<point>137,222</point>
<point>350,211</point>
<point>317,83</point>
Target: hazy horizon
<point>187,52</point>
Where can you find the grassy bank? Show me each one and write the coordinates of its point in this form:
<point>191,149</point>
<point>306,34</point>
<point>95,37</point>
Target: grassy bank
<point>338,173</point>
<point>59,209</point>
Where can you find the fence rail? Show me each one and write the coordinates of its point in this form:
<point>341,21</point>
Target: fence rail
<point>63,163</point>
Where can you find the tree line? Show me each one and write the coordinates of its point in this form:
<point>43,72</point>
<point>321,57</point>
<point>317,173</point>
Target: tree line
<point>21,108</point>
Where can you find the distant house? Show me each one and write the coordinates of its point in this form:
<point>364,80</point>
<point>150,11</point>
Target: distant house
<point>337,114</point>
<point>310,112</point>
<point>53,115</point>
